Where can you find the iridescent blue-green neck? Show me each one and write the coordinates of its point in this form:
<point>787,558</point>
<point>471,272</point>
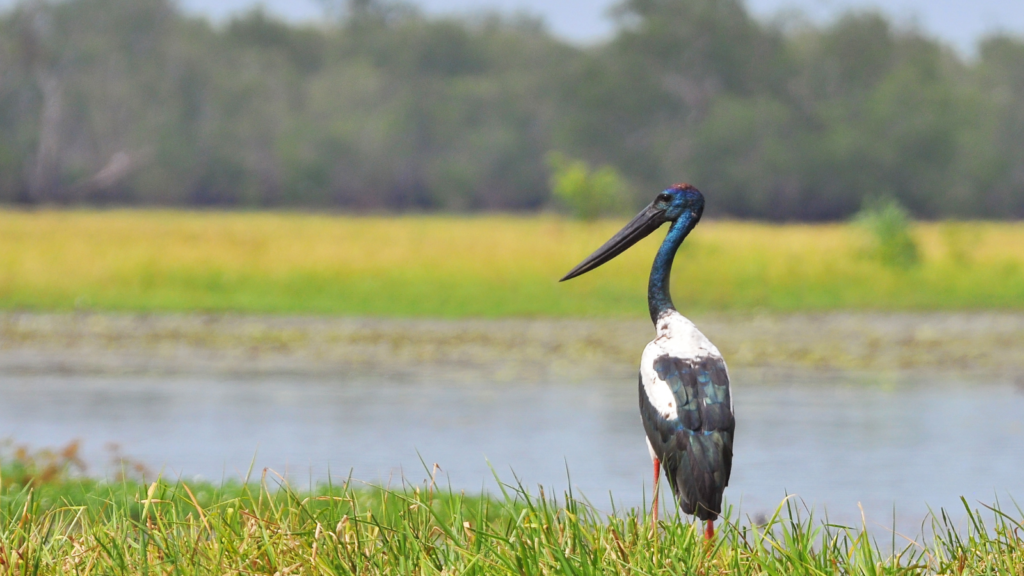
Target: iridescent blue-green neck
<point>658,297</point>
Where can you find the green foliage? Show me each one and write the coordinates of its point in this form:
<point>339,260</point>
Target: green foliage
<point>91,528</point>
<point>586,193</point>
<point>890,228</point>
<point>383,108</point>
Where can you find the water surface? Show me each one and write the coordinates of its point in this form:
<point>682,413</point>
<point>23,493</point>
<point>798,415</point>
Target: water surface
<point>834,443</point>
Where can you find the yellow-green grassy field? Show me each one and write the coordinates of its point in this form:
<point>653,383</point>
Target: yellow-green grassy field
<point>489,266</point>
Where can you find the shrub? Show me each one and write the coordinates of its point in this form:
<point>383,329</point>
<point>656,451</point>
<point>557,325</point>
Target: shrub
<point>889,225</point>
<point>586,193</point>
<point>21,466</point>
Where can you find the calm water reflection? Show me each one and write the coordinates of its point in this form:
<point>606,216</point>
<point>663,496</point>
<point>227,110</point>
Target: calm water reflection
<point>833,443</point>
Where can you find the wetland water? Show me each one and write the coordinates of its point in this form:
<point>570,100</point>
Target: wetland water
<point>833,442</point>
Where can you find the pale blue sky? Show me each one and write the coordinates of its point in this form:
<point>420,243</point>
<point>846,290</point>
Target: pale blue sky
<point>960,22</point>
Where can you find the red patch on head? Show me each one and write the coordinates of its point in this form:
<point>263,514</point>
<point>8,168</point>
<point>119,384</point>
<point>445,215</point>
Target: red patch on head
<point>682,186</point>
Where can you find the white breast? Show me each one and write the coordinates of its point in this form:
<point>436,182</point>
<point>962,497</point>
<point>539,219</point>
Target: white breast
<point>677,337</point>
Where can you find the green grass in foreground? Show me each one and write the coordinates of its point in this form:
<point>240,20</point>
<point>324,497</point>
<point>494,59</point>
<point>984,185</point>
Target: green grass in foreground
<point>489,266</point>
<point>84,527</point>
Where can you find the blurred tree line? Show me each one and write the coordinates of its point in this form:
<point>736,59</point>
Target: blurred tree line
<point>381,108</point>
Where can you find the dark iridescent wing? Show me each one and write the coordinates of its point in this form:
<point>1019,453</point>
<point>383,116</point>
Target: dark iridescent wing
<point>695,447</point>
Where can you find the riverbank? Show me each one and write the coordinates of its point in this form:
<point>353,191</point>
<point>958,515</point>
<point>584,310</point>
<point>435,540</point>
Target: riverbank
<point>989,344</point>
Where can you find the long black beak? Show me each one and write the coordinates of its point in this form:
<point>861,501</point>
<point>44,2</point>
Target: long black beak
<point>647,221</point>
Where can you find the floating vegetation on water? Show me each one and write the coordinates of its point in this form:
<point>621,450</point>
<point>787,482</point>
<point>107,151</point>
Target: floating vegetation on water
<point>990,343</point>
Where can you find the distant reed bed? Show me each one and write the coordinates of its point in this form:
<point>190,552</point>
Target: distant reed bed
<point>479,266</point>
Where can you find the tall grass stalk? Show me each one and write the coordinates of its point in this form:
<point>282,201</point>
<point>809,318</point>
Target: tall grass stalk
<point>85,527</point>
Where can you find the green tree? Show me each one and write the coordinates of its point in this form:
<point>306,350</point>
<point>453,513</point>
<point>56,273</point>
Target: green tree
<point>383,107</point>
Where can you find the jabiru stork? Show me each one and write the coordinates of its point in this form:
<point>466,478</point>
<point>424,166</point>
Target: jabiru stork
<point>685,401</point>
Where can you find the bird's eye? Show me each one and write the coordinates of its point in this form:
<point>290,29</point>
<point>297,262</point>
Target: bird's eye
<point>664,197</point>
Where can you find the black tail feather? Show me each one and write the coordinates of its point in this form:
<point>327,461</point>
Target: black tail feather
<point>700,474</point>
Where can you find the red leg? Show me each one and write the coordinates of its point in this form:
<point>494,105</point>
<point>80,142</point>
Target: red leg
<point>709,531</point>
<point>657,480</point>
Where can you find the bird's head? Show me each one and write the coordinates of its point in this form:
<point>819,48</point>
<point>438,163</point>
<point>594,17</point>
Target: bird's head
<point>675,203</point>
<point>677,200</point>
